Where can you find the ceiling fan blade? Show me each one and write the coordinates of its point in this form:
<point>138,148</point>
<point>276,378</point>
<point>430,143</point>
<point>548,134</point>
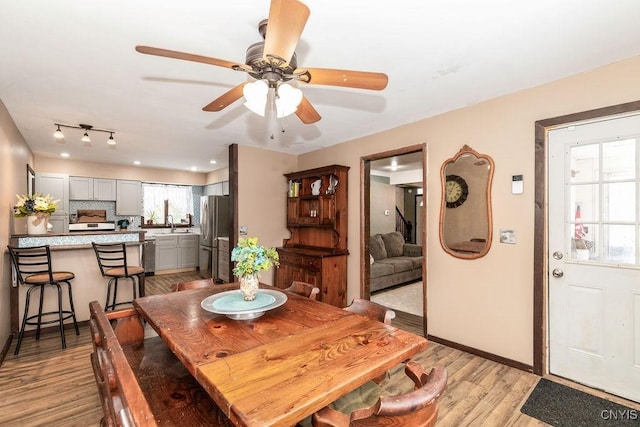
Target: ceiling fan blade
<point>148,50</point>
<point>225,99</point>
<point>345,78</point>
<point>306,113</point>
<point>287,19</point>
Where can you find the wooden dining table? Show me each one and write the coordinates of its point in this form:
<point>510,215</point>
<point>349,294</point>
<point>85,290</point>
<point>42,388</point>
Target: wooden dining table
<point>279,368</point>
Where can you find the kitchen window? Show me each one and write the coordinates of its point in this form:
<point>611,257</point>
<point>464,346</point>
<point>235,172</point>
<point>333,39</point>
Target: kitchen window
<point>162,200</point>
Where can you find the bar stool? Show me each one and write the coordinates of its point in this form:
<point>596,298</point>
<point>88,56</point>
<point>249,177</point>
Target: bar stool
<point>112,260</point>
<point>33,268</point>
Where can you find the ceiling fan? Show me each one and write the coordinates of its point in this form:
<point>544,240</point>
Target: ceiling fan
<point>273,61</point>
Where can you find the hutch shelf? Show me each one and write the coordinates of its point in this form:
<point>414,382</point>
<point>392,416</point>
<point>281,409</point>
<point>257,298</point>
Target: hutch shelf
<point>317,252</point>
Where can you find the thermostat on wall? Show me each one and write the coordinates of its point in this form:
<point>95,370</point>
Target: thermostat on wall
<point>517,184</point>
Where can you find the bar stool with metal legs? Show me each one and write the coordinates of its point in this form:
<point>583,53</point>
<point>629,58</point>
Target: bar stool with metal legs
<point>33,268</point>
<point>112,260</point>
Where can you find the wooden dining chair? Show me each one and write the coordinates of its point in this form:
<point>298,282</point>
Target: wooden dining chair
<point>371,309</point>
<point>304,289</point>
<point>193,284</point>
<point>371,405</point>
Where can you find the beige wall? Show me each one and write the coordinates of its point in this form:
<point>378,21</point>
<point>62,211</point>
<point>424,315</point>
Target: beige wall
<point>383,197</point>
<point>14,156</point>
<point>102,170</point>
<point>486,303</point>
<point>217,176</point>
<point>262,190</point>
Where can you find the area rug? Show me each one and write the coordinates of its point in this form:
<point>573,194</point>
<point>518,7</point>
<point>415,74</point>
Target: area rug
<point>563,406</point>
<point>407,298</point>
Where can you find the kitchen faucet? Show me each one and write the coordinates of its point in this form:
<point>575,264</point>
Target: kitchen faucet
<point>173,226</point>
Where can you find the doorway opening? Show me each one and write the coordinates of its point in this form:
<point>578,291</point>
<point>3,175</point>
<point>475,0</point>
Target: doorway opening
<point>392,184</point>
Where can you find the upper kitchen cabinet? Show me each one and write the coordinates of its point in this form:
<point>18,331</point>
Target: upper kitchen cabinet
<point>217,189</point>
<point>57,186</point>
<point>128,197</point>
<point>84,188</point>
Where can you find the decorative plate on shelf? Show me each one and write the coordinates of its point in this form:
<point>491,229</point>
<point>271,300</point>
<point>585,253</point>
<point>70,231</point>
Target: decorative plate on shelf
<point>232,305</point>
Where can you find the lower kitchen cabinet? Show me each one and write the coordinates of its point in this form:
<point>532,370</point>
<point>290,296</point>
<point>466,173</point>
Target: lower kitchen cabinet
<point>223,260</point>
<point>173,251</point>
<point>322,268</point>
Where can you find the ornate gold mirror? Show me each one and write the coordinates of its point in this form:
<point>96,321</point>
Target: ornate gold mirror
<point>465,214</point>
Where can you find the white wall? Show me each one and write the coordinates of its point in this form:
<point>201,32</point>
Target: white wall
<point>383,197</point>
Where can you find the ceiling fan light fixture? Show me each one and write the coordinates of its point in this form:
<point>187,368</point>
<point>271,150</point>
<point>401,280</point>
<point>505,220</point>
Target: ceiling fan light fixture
<point>288,99</point>
<point>255,95</point>
<point>111,141</point>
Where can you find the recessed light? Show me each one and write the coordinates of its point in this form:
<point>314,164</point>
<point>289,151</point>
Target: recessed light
<point>136,162</point>
<point>213,162</point>
<point>64,154</point>
<point>194,168</point>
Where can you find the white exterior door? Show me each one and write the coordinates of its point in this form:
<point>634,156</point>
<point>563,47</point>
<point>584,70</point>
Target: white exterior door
<point>594,254</point>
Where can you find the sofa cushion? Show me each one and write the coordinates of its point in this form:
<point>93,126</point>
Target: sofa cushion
<point>379,269</point>
<point>376,247</point>
<point>399,264</point>
<point>393,243</point>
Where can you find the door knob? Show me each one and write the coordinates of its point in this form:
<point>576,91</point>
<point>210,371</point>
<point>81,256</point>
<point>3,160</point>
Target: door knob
<point>557,255</point>
<point>557,273</point>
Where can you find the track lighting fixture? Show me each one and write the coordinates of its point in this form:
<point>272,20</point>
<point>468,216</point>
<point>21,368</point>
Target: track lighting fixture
<point>86,139</point>
<point>58,133</point>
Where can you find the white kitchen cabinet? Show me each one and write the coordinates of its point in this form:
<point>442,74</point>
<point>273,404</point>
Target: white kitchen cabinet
<point>188,250</point>
<point>176,251</point>
<point>166,252</point>
<point>57,186</point>
<point>128,198</point>
<point>217,189</point>
<point>85,188</point>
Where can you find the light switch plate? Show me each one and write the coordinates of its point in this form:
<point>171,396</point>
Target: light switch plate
<point>508,236</point>
<point>244,230</point>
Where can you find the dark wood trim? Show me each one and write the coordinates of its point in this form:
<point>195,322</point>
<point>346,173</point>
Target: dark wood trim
<point>540,243</point>
<point>481,353</point>
<point>365,220</point>
<point>396,152</point>
<point>365,227</point>
<point>5,349</point>
<point>233,205</point>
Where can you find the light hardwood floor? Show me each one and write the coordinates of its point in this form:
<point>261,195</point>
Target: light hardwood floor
<point>47,386</point>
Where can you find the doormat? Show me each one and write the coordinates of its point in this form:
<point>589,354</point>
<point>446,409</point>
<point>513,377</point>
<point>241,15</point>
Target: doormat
<point>563,406</point>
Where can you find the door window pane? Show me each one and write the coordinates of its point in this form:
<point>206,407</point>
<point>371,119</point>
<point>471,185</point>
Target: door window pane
<point>618,160</point>
<point>585,164</point>
<point>619,201</point>
<point>619,244</point>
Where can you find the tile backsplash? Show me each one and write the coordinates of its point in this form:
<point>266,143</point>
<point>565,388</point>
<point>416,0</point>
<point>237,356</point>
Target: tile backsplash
<point>110,207</point>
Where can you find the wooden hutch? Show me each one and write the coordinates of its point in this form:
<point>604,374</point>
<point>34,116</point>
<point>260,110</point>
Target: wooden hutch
<point>317,252</point>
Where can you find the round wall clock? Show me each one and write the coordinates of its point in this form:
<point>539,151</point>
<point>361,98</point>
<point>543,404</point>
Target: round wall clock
<point>456,191</point>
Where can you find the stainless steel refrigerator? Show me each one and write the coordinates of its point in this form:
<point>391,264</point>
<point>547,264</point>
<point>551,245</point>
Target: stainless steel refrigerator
<point>214,223</point>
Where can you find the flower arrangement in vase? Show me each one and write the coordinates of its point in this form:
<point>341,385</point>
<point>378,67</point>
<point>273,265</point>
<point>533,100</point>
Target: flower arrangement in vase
<point>251,258</point>
<point>38,208</point>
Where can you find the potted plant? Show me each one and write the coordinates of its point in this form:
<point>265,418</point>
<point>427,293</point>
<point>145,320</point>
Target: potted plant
<point>37,207</point>
<point>251,258</point>
<point>151,217</point>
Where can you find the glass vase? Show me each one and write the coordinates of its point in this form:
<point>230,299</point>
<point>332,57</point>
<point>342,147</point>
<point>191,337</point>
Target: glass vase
<point>249,287</point>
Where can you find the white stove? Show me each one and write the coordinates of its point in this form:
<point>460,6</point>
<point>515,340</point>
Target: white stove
<point>92,226</point>
<point>92,220</point>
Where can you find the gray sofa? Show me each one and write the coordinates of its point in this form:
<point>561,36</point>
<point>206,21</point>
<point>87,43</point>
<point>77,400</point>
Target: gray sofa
<point>393,261</point>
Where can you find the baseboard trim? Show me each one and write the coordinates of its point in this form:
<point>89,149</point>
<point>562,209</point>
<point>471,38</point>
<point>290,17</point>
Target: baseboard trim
<point>5,349</point>
<point>486,355</point>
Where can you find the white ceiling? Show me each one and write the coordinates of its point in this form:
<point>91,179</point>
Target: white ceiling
<point>73,61</point>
